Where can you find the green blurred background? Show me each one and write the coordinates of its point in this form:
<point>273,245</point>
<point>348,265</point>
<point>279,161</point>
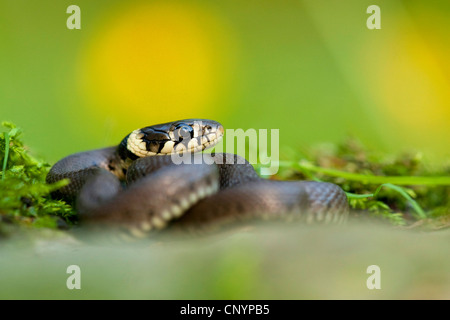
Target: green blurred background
<point>309,68</point>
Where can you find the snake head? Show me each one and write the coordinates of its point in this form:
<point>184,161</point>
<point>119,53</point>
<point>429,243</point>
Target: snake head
<point>191,135</point>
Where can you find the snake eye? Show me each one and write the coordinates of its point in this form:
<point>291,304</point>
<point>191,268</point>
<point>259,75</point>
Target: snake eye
<point>184,132</point>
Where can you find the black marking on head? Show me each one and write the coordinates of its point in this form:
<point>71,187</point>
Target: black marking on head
<point>176,143</point>
<point>204,128</point>
<point>154,139</point>
<point>153,146</point>
<point>152,134</point>
<point>123,151</point>
<point>161,146</point>
<point>191,132</point>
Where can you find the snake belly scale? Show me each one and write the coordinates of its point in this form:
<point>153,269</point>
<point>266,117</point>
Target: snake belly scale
<point>137,186</point>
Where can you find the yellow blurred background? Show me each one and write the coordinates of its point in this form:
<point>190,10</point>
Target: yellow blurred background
<point>309,68</point>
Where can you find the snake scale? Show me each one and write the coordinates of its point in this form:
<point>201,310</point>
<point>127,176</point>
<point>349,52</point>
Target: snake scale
<point>138,187</point>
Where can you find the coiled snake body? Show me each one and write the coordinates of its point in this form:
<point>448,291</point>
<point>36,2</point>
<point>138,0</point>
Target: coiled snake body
<point>141,186</point>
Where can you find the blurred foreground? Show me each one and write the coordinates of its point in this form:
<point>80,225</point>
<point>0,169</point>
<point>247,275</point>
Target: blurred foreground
<point>271,261</point>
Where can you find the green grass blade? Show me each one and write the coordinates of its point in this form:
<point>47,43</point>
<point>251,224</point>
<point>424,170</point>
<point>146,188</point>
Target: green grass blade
<point>401,191</point>
<point>420,213</point>
<point>365,178</point>
<point>358,196</point>
<point>5,160</point>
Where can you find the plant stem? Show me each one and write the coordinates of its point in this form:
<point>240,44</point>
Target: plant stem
<point>5,160</point>
<point>366,178</point>
<point>405,195</point>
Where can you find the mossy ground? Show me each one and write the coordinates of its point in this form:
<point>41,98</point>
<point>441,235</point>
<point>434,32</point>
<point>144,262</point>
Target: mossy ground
<point>403,188</point>
<point>25,200</point>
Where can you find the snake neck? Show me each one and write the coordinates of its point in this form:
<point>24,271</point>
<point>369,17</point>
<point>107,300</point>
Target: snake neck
<point>119,166</point>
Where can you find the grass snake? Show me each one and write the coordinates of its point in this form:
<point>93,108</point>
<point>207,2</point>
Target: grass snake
<point>138,187</point>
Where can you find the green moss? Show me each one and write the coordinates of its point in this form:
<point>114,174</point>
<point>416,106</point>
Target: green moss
<point>25,196</point>
<point>401,188</point>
